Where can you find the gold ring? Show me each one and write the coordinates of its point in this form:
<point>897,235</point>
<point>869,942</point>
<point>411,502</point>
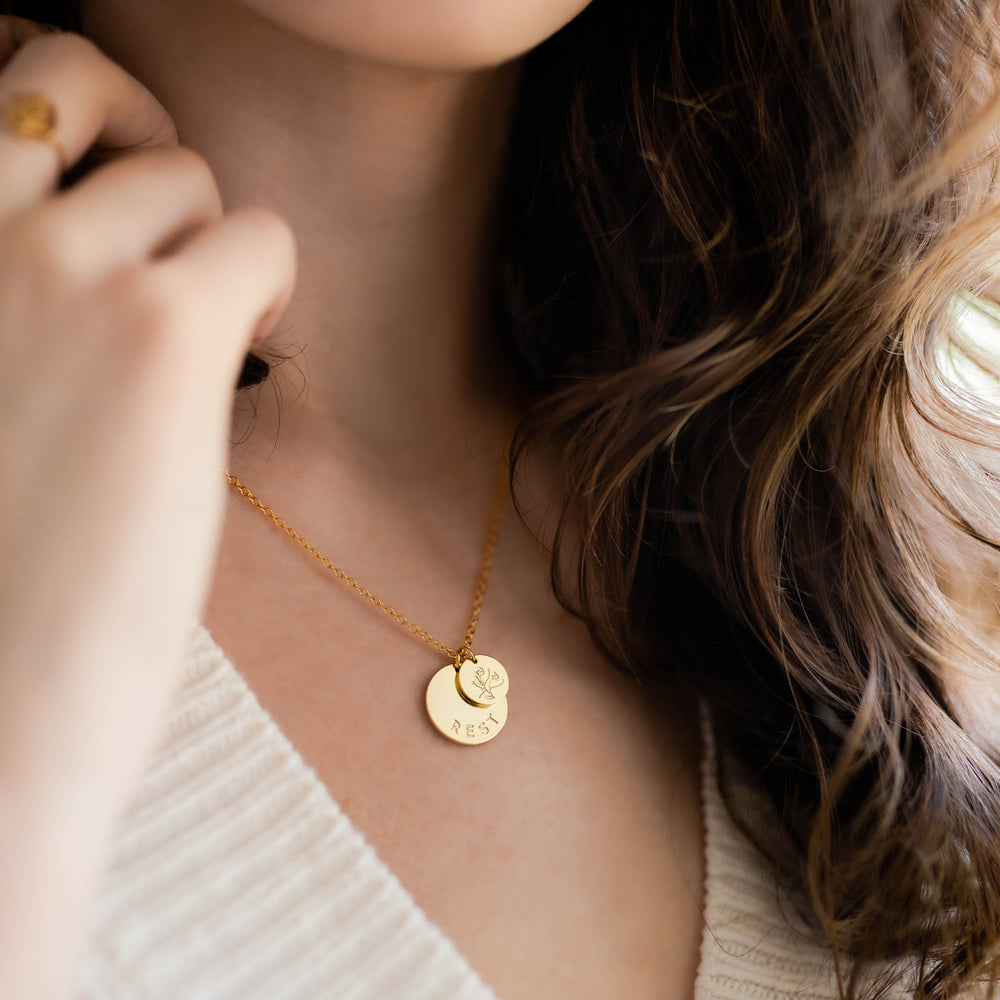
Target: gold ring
<point>33,117</point>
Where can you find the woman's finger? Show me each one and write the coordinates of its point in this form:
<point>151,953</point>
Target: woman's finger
<point>128,212</point>
<point>238,276</point>
<point>95,103</point>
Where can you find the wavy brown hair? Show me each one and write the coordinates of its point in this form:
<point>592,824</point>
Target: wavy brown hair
<point>741,233</point>
<point>734,236</point>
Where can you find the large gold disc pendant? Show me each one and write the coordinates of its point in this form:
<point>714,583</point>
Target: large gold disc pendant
<point>458,717</point>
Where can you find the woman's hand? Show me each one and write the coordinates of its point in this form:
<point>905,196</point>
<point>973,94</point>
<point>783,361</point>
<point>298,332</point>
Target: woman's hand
<point>126,305</point>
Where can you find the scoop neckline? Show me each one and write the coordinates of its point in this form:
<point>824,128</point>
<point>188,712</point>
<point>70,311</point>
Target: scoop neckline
<point>706,775</point>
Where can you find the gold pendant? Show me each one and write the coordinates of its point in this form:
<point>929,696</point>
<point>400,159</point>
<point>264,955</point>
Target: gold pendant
<point>468,705</point>
<point>483,681</point>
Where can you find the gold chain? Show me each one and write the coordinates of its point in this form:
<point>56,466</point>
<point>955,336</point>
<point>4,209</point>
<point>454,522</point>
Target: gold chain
<point>456,655</point>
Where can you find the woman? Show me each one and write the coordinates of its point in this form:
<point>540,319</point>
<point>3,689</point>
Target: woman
<point>727,242</point>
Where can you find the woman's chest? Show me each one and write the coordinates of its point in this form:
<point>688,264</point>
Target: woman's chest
<point>564,857</point>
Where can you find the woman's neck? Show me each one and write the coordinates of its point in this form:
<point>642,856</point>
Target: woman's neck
<point>388,176</point>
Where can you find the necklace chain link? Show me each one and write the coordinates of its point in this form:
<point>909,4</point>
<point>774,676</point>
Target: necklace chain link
<point>463,652</point>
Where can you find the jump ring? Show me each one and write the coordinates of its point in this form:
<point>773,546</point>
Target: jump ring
<point>33,117</point>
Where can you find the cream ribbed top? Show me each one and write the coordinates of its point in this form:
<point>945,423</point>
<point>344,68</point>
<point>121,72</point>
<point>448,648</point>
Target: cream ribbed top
<point>236,876</point>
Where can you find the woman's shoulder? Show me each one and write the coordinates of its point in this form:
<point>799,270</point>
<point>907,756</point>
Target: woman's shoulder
<point>754,943</point>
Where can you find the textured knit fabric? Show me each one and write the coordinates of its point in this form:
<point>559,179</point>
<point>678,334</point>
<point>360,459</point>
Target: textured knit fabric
<point>235,875</point>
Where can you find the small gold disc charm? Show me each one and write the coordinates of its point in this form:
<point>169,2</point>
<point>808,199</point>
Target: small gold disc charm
<point>455,718</point>
<point>483,682</point>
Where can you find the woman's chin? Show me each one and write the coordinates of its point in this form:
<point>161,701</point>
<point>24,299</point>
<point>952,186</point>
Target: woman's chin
<point>424,34</point>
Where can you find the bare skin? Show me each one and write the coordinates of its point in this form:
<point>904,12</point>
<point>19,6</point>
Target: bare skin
<point>385,170</point>
<point>580,820</point>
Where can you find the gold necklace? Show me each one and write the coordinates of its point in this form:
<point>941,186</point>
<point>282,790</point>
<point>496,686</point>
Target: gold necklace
<point>467,698</point>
